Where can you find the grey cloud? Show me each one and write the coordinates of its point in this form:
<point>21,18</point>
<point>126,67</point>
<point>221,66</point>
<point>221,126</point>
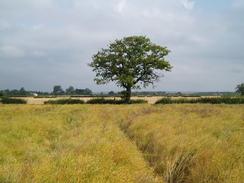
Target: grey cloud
<point>51,41</point>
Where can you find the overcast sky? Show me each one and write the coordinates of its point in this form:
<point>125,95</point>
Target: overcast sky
<point>49,42</point>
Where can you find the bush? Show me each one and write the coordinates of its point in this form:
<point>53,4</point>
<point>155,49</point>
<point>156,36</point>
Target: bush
<point>6,100</point>
<point>65,101</point>
<point>219,100</point>
<point>111,101</point>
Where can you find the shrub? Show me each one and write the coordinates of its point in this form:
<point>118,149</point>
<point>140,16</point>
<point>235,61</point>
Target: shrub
<point>219,100</point>
<point>65,101</point>
<point>6,100</point>
<point>111,101</point>
<point>164,101</point>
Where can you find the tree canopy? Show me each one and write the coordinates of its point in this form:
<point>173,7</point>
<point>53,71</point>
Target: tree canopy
<point>240,89</point>
<point>132,62</point>
<point>57,90</point>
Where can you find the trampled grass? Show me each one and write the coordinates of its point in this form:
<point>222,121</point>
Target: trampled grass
<point>127,143</point>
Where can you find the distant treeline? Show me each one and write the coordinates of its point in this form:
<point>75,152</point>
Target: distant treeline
<point>202,100</point>
<point>71,91</point>
<point>57,91</point>
<point>182,94</point>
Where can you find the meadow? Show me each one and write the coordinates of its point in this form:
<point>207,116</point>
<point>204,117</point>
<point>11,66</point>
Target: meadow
<point>187,143</point>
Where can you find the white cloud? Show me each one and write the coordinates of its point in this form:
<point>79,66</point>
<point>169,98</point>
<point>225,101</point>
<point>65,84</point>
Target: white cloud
<point>38,27</point>
<point>38,53</point>
<point>11,52</point>
<point>238,4</point>
<point>120,6</point>
<point>188,4</point>
<point>4,25</point>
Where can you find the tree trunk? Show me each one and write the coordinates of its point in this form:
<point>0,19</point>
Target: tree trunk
<point>128,95</point>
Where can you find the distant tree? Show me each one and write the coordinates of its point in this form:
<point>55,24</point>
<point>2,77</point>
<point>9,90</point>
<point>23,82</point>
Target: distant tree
<point>22,91</point>
<point>178,94</point>
<point>70,90</point>
<point>131,62</point>
<point>86,91</point>
<point>57,90</point>
<point>240,89</point>
<point>15,92</point>
<point>6,92</point>
<point>111,93</point>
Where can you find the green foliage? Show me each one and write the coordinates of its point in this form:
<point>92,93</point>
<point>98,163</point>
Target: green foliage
<point>111,101</point>
<point>6,100</point>
<point>111,93</point>
<point>70,90</point>
<point>217,100</point>
<point>57,90</point>
<point>240,89</point>
<point>85,91</point>
<point>15,93</point>
<point>131,62</point>
<point>65,101</point>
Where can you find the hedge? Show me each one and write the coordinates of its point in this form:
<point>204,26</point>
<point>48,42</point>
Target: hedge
<point>6,100</point>
<point>111,101</point>
<point>65,101</point>
<point>217,100</point>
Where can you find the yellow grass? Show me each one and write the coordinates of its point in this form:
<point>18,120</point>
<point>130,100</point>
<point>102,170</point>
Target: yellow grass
<point>66,144</point>
<point>33,100</point>
<point>149,99</point>
<point>127,143</point>
<point>191,143</point>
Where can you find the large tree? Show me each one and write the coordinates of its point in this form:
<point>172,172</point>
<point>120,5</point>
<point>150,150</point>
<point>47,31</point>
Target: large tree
<point>132,62</point>
<point>240,89</point>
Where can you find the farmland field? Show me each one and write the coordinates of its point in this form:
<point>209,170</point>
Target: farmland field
<point>149,99</point>
<point>36,100</point>
<point>126,143</point>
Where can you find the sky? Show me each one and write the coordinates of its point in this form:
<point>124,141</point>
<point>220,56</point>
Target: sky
<point>50,42</point>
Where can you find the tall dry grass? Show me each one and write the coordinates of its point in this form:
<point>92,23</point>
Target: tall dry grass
<point>66,144</point>
<point>190,143</point>
<point>108,143</point>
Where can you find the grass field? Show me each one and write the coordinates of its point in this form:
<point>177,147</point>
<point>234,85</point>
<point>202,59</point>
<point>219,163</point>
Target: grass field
<point>135,143</point>
<point>149,99</point>
<point>33,100</point>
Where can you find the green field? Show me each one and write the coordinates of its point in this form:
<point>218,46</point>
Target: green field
<point>127,143</point>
